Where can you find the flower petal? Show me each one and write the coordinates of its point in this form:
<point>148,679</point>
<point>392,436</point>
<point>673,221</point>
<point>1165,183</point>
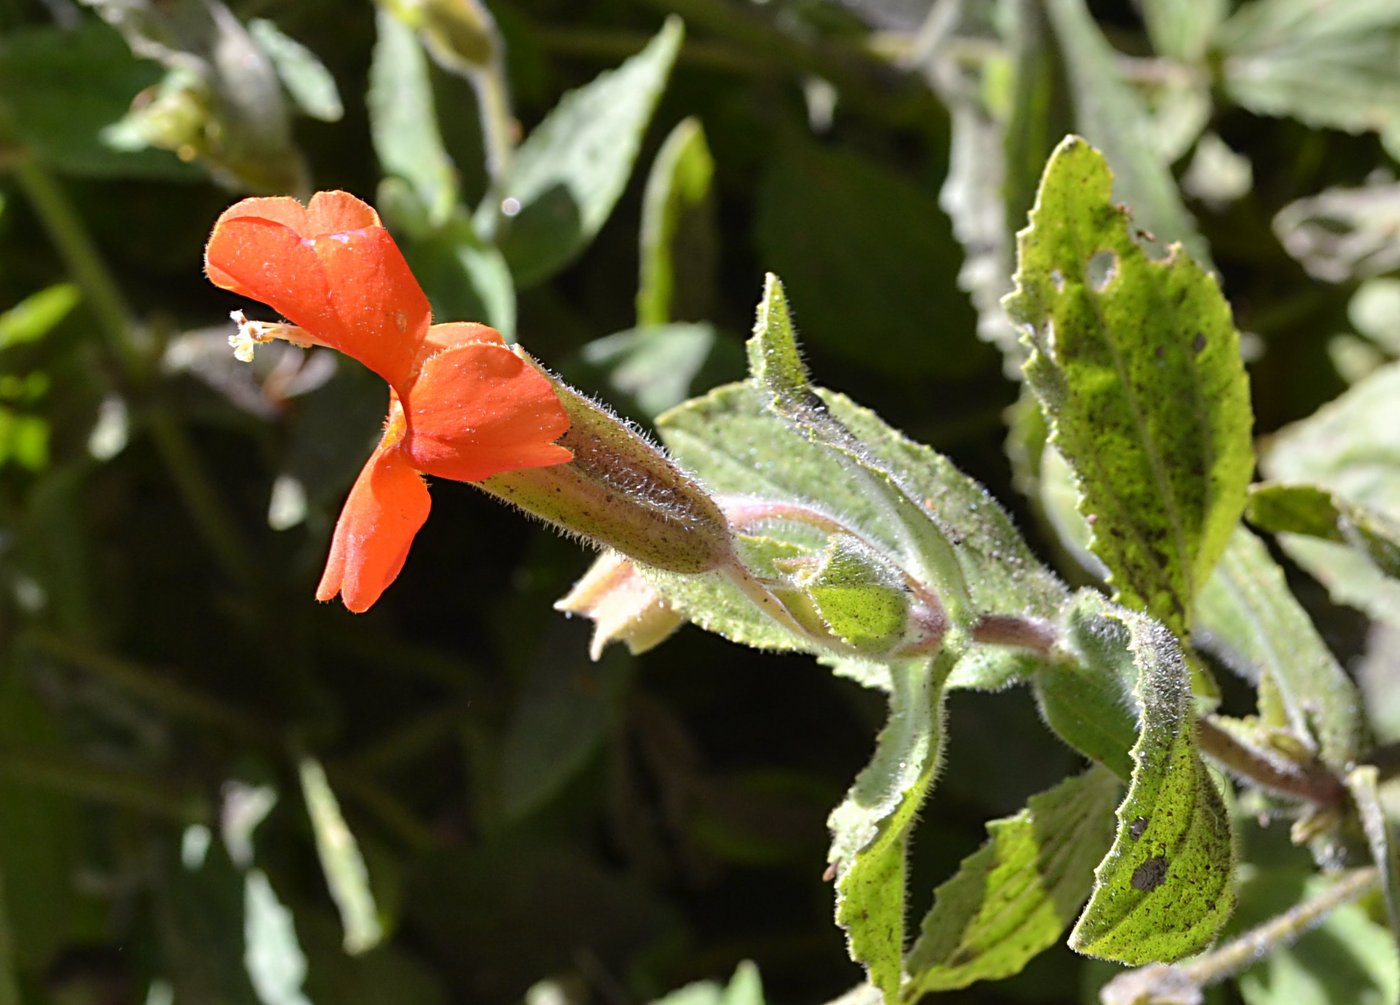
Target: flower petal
<point>330,268</point>
<point>451,333</point>
<point>478,409</point>
<point>387,506</point>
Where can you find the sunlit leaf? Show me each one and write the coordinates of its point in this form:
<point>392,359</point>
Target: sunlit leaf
<point>1167,885</point>
<point>303,75</point>
<point>341,861</point>
<point>1136,363</point>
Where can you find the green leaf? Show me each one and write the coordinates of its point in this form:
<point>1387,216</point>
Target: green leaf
<point>1327,65</point>
<point>569,173</point>
<point>565,711</point>
<point>900,312</point>
<point>1090,700</point>
<point>870,830</point>
<point>648,369</point>
<point>403,120</point>
<point>1013,897</point>
<point>1136,363</point>
<point>37,314</point>
<point>1167,885</point>
<point>303,75</point>
<point>1183,29</point>
<point>678,228</point>
<point>744,988</point>
<point>1111,116</point>
<point>276,964</point>
<point>341,860</point>
<point>1247,615</point>
<point>60,89</point>
<point>1307,509</point>
<point>1348,448</point>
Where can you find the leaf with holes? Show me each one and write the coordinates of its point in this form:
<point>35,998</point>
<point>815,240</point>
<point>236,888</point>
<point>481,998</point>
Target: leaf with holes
<point>1136,364</point>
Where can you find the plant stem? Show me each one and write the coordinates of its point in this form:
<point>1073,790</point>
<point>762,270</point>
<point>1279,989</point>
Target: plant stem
<point>1310,783</point>
<point>65,228</point>
<point>9,988</point>
<point>113,314</point>
<point>156,689</point>
<point>120,788</point>
<point>1239,953</point>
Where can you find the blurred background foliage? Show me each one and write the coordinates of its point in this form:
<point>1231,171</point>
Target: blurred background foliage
<point>213,789</point>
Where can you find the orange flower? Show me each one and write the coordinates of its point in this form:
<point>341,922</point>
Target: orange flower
<point>462,404</point>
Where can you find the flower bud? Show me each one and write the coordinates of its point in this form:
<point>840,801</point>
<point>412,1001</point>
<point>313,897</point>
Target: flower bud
<point>623,606</point>
<point>620,491</point>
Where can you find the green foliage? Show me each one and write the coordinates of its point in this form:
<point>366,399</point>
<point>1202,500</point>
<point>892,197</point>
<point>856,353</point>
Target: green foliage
<point>216,791</point>
<point>1137,366</point>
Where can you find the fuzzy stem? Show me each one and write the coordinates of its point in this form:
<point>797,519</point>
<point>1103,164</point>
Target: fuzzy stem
<point>1239,953</point>
<point>1312,784</point>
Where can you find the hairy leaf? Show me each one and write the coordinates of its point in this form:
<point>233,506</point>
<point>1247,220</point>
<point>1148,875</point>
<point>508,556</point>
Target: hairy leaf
<point>1014,896</point>
<point>1167,885</point>
<point>870,829</point>
<point>1136,363</point>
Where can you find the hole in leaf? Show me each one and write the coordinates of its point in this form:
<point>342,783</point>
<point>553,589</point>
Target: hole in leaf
<point>1101,269</point>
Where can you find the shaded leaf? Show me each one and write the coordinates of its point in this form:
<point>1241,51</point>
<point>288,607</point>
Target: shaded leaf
<point>565,711</point>
<point>1136,363</point>
<point>303,75</point>
<point>37,314</point>
<point>1307,509</point>
<point>1167,885</point>
<point>1183,29</point>
<point>568,174</point>
<point>744,988</point>
<point>678,239</point>
<point>1015,895</point>
<point>60,89</point>
<point>1247,615</point>
<point>649,369</point>
<point>403,121</point>
<point>899,311</point>
<point>276,964</point>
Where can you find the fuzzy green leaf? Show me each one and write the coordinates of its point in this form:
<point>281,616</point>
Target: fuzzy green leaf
<point>870,829</point>
<point>1247,615</point>
<point>1348,448</point>
<point>677,230</point>
<point>1167,885</point>
<point>1136,363</point>
<point>566,177</point>
<point>303,75</point>
<point>1013,897</point>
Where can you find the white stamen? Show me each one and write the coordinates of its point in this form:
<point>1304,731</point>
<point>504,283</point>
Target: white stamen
<point>252,333</point>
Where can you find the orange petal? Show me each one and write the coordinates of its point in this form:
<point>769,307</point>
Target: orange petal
<point>387,506</point>
<point>330,268</point>
<point>477,409</point>
<point>452,333</point>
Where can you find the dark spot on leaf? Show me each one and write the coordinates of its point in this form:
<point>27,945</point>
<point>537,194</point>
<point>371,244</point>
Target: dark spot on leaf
<point>1137,827</point>
<point>1148,876</point>
<point>1199,342</point>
